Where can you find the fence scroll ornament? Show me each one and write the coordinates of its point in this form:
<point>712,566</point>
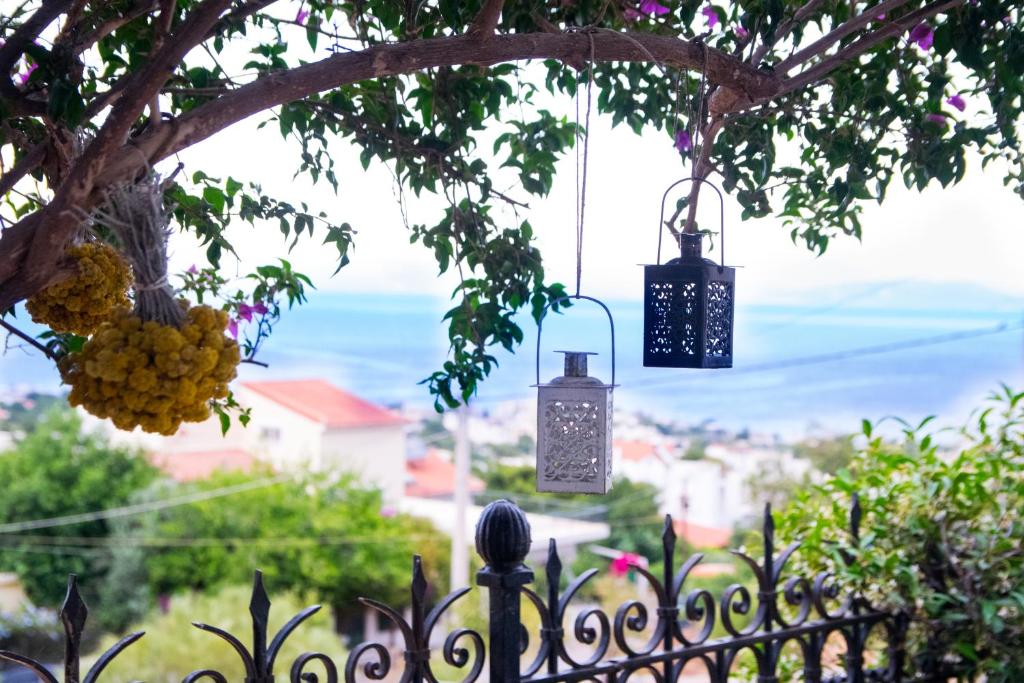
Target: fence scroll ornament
<point>637,642</point>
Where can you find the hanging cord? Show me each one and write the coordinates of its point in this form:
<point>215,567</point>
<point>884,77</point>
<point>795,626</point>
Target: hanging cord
<point>581,182</point>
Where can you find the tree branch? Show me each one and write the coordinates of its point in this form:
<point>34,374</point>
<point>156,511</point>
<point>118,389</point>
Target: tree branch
<point>34,246</point>
<point>22,168</point>
<point>486,20</point>
<point>11,329</point>
<point>87,40</point>
<point>701,169</point>
<point>800,17</point>
<point>108,160</point>
<point>837,34</point>
<point>851,52</point>
<point>12,50</point>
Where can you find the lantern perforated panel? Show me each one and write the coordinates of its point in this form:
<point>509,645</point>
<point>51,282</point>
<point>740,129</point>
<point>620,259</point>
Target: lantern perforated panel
<point>688,314</point>
<point>574,439</point>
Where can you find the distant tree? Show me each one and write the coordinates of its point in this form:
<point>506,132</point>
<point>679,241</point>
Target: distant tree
<point>58,470</point>
<point>827,456</point>
<point>696,449</point>
<point>21,416</point>
<point>332,542</point>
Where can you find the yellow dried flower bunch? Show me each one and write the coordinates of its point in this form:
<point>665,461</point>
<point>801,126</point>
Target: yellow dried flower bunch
<point>150,375</point>
<point>96,292</point>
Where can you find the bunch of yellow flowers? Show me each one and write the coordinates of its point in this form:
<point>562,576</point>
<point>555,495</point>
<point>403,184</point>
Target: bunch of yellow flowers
<point>145,374</point>
<point>90,297</point>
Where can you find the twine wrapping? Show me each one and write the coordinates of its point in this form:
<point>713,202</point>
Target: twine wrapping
<point>138,216</point>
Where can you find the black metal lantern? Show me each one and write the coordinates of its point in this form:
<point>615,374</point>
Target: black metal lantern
<point>574,423</point>
<point>689,303</point>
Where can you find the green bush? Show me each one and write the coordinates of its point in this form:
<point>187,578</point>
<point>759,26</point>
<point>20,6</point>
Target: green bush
<point>942,538</point>
<point>173,647</point>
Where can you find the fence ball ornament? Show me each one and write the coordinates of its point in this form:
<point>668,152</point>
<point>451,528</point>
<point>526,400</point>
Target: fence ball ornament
<point>574,424</point>
<point>689,303</point>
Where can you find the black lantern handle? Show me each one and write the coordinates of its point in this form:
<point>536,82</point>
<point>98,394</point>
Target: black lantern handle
<point>540,326</point>
<point>721,208</point>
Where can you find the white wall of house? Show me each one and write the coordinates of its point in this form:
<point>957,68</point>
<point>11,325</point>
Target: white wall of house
<point>375,454</point>
<point>285,439</point>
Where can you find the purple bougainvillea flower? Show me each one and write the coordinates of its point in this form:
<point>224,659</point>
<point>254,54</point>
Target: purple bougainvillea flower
<point>936,118</point>
<point>631,14</point>
<point>653,7</point>
<point>260,308</point>
<point>710,16</point>
<point>742,32</point>
<point>957,101</point>
<point>233,328</point>
<point>683,142</point>
<point>192,269</point>
<point>923,36</point>
<point>301,17</point>
<point>27,73</point>
<point>245,312</point>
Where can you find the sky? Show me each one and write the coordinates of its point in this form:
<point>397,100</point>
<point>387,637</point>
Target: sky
<point>972,233</point>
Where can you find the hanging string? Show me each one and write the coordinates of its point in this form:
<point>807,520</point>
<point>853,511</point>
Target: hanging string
<point>581,182</point>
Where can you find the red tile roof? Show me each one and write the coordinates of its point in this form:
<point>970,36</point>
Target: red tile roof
<point>323,402</point>
<point>635,450</point>
<point>433,476</point>
<point>702,536</point>
<point>201,464</point>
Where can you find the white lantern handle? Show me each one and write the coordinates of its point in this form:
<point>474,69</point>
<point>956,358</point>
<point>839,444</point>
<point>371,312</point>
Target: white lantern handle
<point>721,208</point>
<point>540,326</point>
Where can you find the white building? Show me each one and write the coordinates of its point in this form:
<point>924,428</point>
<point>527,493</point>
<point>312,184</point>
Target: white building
<point>295,425</point>
<point>710,494</point>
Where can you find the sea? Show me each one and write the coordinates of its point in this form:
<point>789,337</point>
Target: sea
<point>909,350</point>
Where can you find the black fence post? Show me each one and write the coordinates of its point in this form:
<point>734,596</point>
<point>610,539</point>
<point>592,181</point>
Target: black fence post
<point>503,540</point>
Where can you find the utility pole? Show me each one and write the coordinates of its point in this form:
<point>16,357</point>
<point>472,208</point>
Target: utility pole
<point>460,545</point>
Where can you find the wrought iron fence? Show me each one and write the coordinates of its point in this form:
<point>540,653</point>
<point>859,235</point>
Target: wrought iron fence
<point>666,644</point>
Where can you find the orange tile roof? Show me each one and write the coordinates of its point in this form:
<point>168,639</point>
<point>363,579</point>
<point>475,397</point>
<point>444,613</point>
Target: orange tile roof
<point>702,536</point>
<point>195,465</point>
<point>635,450</point>
<point>325,403</point>
<point>433,476</point>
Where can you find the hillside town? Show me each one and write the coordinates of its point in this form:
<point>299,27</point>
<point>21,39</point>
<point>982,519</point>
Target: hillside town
<point>709,480</point>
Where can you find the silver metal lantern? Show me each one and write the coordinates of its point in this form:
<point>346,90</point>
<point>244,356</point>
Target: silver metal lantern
<point>689,304</point>
<point>574,423</point>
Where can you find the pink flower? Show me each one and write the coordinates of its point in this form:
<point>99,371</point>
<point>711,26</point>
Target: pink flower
<point>622,563</point>
<point>301,17</point>
<point>653,7</point>
<point>957,101</point>
<point>25,75</point>
<point>192,269</point>
<point>881,17</point>
<point>923,36</point>
<point>710,16</point>
<point>260,308</point>
<point>683,142</point>
<point>245,312</point>
<point>388,511</point>
<point>940,119</point>
<point>631,15</point>
<point>742,33</point>
<point>233,328</point>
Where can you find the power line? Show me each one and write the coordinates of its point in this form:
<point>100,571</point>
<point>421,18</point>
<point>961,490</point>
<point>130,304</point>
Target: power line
<point>852,353</point>
<point>141,508</point>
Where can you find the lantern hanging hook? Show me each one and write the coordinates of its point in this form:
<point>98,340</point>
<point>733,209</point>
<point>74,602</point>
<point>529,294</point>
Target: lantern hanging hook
<point>562,299</point>
<point>721,214</point>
